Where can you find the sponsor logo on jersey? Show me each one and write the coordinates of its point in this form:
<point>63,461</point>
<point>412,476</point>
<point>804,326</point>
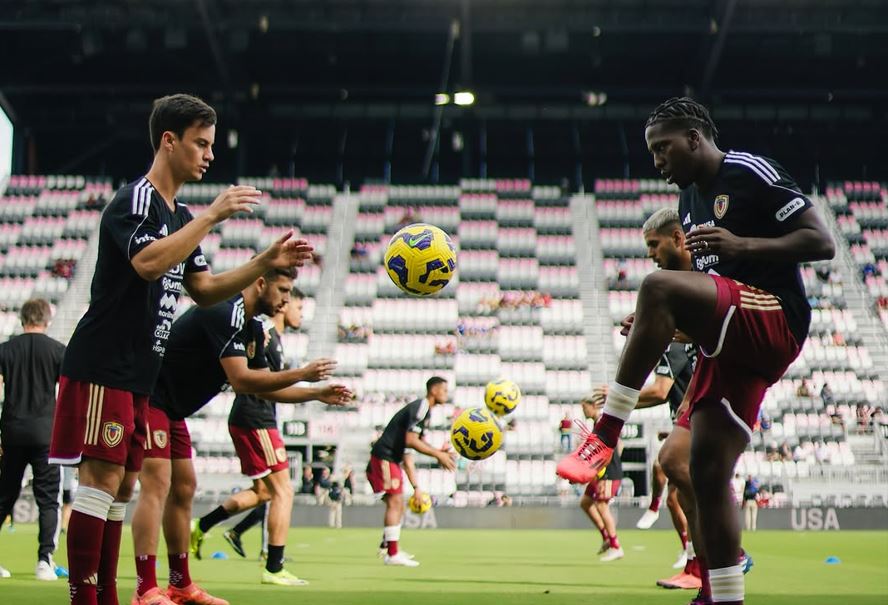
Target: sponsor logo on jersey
<point>239,346</point>
<point>687,219</point>
<point>112,433</point>
<point>164,230</point>
<point>791,208</point>
<point>168,301</point>
<point>200,261</point>
<point>160,439</point>
<point>281,454</point>
<point>145,238</point>
<point>720,207</point>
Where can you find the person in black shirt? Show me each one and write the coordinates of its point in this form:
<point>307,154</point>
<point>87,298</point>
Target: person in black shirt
<point>148,250</point>
<point>405,429</point>
<point>252,424</point>
<point>595,501</point>
<point>209,348</point>
<point>748,227</point>
<point>30,365</point>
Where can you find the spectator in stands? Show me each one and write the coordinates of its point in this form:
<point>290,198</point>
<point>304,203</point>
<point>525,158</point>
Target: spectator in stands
<point>837,418</point>
<point>764,498</point>
<point>826,395</point>
<point>823,273</point>
<point>307,481</point>
<point>30,364</point>
<point>771,452</point>
<point>507,500</point>
<point>785,452</point>
<point>750,502</point>
<point>564,427</point>
<point>870,270</point>
<point>322,487</point>
<point>798,453</point>
<point>334,503</point>
<point>838,339</point>
<point>864,413</point>
<point>359,251</point>
<point>409,217</point>
<point>804,389</point>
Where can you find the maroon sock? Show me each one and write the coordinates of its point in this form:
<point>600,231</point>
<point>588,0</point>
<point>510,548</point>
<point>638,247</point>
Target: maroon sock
<point>106,590</point>
<point>84,553</point>
<point>655,504</point>
<point>603,532</point>
<point>392,546</point>
<point>683,536</point>
<point>179,575</point>
<point>146,573</point>
<point>614,542</point>
<point>608,429</point>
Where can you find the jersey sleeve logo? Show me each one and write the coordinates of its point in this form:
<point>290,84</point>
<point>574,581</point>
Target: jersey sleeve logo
<point>251,350</point>
<point>791,208</point>
<point>720,207</point>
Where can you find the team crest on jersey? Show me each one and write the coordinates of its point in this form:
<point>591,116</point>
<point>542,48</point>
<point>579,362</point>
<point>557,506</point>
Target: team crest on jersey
<point>396,483</point>
<point>281,454</point>
<point>160,439</point>
<point>112,433</point>
<point>251,350</point>
<point>720,207</point>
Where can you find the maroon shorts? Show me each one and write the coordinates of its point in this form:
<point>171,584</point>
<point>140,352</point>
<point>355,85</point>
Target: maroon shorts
<point>93,421</point>
<point>751,349</point>
<point>261,451</point>
<point>167,439</point>
<point>603,490</point>
<point>684,419</point>
<point>384,476</point>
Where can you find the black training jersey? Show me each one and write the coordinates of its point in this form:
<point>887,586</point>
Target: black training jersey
<point>192,374</point>
<point>413,417</point>
<point>120,341</point>
<point>677,363</point>
<point>30,366</point>
<point>251,411</point>
<point>752,196</point>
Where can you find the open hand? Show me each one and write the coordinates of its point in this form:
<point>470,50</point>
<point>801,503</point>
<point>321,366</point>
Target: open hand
<point>336,394</point>
<point>287,252</point>
<point>237,198</point>
<point>318,369</point>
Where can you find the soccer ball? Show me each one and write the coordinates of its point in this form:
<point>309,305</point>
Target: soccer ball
<point>420,506</point>
<point>420,259</point>
<point>502,396</point>
<point>475,434</point>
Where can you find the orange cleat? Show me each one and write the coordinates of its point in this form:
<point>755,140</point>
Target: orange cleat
<point>583,465</point>
<point>193,595</point>
<point>155,596</point>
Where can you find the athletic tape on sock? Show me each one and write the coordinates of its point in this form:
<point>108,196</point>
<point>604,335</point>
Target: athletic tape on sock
<point>692,554</point>
<point>117,512</point>
<point>727,584</point>
<point>620,401</point>
<point>92,502</point>
<point>392,533</point>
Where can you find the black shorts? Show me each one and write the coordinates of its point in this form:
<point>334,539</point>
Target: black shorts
<point>66,496</point>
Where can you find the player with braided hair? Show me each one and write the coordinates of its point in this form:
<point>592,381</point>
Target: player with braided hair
<point>748,227</point>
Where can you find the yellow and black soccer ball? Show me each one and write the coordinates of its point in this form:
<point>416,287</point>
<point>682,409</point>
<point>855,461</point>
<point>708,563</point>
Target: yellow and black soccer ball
<point>420,259</point>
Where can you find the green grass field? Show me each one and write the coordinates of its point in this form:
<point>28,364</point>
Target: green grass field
<point>522,567</point>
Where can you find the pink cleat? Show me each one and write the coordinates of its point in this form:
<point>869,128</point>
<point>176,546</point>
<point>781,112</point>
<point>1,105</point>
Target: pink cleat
<point>583,465</point>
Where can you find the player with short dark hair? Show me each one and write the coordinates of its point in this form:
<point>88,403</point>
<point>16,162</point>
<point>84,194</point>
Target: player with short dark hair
<point>289,318</point>
<point>148,250</point>
<point>596,499</point>
<point>252,424</point>
<point>209,348</point>
<point>30,365</point>
<point>748,227</point>
<point>405,429</point>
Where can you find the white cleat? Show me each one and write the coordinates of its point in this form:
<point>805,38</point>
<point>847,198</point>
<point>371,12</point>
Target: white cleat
<point>383,552</point>
<point>45,571</point>
<point>681,561</point>
<point>612,554</point>
<point>648,519</point>
<point>4,573</point>
<point>400,559</point>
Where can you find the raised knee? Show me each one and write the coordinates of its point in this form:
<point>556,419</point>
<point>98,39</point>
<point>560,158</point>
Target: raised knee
<point>655,285</point>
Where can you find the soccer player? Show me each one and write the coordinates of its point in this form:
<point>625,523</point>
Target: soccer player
<point>149,248</point>
<point>290,317</point>
<point>405,429</point>
<point>595,501</point>
<point>207,349</point>
<point>252,424</point>
<point>748,227</point>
